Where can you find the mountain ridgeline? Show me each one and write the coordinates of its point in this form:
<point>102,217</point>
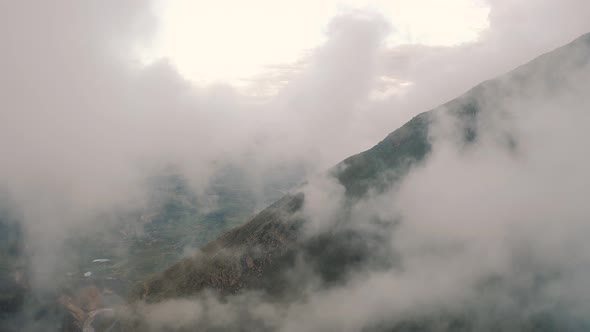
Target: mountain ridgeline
<point>267,253</point>
<point>256,255</point>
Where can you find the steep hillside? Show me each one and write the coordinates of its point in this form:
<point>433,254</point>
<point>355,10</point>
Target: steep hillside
<point>255,255</point>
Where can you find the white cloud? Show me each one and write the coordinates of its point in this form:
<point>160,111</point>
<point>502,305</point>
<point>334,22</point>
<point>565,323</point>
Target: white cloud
<point>82,124</point>
<point>233,41</point>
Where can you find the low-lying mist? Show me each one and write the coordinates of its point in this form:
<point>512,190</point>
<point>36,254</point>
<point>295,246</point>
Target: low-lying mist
<point>489,232</point>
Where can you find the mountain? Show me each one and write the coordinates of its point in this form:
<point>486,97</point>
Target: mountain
<point>245,255</point>
<point>275,255</point>
<point>261,254</point>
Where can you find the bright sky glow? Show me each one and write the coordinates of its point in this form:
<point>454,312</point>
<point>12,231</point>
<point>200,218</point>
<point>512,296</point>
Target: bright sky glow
<point>232,40</point>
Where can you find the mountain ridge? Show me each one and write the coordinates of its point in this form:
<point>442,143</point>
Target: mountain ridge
<point>239,257</point>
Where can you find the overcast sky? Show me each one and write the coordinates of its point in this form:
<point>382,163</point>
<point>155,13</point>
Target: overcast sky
<point>251,35</point>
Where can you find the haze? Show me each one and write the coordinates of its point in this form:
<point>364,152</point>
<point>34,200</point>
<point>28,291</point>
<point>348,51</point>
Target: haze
<point>99,98</point>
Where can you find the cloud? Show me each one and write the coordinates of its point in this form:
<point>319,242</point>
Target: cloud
<point>489,233</point>
<point>83,125</point>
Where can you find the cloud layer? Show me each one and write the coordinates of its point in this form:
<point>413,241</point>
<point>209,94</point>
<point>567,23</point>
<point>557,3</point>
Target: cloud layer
<point>83,124</point>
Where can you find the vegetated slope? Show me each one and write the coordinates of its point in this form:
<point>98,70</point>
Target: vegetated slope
<point>242,257</point>
<point>119,252</point>
<point>248,255</point>
<point>257,254</point>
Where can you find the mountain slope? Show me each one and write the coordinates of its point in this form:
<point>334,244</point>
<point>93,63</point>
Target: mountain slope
<point>239,257</point>
<point>259,254</point>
